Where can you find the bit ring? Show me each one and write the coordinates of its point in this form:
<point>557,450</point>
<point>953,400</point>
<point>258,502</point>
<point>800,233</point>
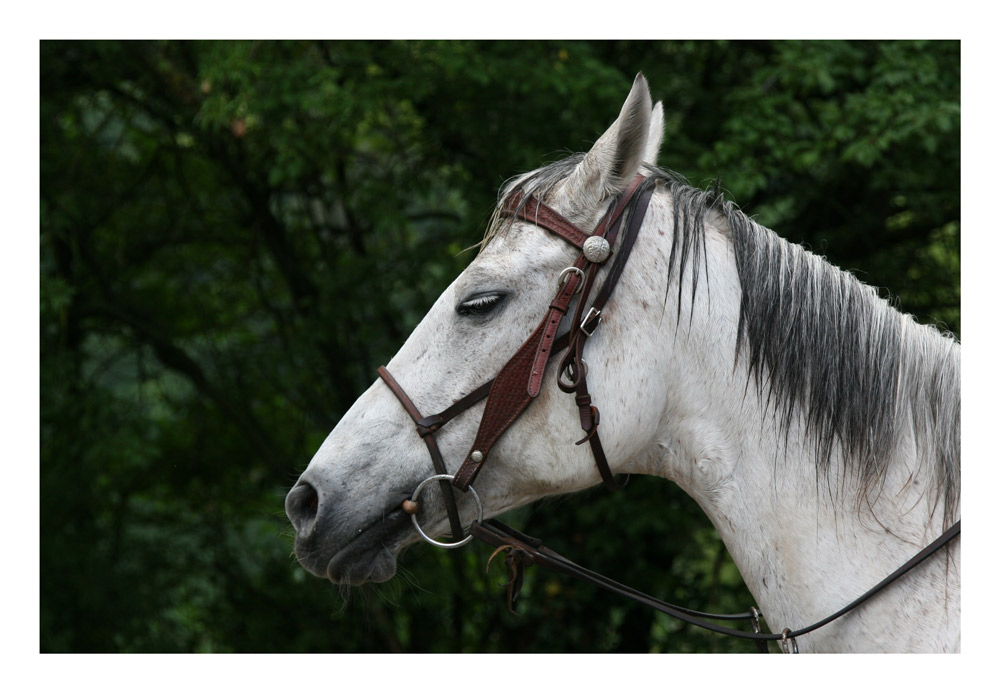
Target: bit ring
<point>420,531</point>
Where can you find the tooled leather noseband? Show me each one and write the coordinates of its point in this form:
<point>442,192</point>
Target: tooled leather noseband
<point>520,381</point>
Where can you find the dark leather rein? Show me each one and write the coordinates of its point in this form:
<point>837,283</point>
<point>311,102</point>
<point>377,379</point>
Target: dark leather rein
<point>519,382</point>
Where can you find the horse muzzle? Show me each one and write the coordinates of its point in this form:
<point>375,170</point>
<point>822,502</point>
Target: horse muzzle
<point>342,551</point>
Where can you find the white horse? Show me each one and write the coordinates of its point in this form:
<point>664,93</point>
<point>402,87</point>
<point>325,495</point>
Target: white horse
<point>816,426</point>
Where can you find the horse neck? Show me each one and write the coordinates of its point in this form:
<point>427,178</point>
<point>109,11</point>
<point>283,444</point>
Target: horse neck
<point>807,538</point>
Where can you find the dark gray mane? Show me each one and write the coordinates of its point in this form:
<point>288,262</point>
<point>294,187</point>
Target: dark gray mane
<point>818,345</point>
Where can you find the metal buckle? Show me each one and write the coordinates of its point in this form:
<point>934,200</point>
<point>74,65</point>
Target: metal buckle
<point>591,314</point>
<point>572,370</point>
<point>562,278</point>
<point>420,531</point>
<point>786,641</point>
<point>755,622</point>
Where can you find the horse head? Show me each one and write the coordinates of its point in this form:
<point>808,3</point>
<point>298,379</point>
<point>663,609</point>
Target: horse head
<point>346,506</point>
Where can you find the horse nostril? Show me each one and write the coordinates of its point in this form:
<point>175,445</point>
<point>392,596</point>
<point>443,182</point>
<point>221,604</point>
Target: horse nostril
<point>301,506</point>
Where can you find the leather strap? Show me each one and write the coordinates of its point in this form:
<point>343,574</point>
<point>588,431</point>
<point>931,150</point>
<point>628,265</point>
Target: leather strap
<point>550,326</point>
<point>432,447</point>
<point>508,398</point>
<point>527,551</point>
<point>430,424</point>
<point>534,212</point>
<point>607,228</point>
<point>582,327</point>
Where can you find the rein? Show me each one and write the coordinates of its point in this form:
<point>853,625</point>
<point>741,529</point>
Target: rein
<point>519,382</point>
<point>523,551</point>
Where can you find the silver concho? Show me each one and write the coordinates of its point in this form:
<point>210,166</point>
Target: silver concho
<point>596,249</point>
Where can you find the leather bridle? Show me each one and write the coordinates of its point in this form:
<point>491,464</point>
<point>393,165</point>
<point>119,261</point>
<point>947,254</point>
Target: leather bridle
<point>519,382</point>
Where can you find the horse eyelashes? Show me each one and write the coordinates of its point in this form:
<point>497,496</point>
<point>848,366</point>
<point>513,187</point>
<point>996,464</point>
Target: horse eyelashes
<point>480,304</point>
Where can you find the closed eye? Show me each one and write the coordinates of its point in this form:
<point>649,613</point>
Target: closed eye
<point>481,304</point>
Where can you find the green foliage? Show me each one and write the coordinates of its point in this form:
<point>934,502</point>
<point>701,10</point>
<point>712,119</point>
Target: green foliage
<point>235,234</point>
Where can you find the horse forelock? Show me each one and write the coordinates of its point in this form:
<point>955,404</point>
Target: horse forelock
<point>818,345</point>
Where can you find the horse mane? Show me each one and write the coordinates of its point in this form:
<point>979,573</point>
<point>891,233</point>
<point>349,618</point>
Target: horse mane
<point>818,344</point>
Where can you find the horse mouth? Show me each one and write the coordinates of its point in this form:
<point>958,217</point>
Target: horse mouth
<point>368,556</point>
<point>327,545</point>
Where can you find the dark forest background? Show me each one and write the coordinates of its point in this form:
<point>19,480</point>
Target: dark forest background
<point>234,235</point>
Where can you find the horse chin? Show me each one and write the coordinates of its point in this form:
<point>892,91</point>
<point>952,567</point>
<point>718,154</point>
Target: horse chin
<point>371,556</point>
<point>357,570</point>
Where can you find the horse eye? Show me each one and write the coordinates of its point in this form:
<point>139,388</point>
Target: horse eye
<point>480,304</point>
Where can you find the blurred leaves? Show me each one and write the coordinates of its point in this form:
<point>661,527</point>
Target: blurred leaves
<point>235,234</point>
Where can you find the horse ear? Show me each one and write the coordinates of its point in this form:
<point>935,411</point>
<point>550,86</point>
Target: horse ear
<point>614,159</point>
<point>655,135</point>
